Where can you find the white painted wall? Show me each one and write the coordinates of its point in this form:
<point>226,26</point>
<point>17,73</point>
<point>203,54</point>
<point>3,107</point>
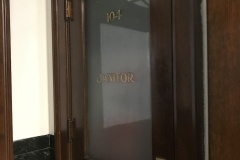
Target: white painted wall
<point>32,93</point>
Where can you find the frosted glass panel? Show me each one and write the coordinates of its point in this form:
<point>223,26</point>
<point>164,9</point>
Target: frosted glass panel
<point>123,102</point>
<point>119,106</point>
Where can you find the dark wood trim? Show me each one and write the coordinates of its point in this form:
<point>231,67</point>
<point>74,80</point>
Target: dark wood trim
<point>69,92</point>
<point>224,78</point>
<point>60,80</point>
<point>78,69</point>
<point>6,139</point>
<point>188,80</point>
<point>199,79</point>
<point>162,79</point>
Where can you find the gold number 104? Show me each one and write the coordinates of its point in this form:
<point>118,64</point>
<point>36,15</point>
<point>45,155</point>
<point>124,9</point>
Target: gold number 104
<point>112,16</point>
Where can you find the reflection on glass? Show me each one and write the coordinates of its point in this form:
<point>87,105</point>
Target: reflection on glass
<point>119,106</point>
<point>125,50</point>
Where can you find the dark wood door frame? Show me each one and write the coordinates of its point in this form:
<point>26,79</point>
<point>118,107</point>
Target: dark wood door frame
<point>6,146</point>
<point>162,79</point>
<point>176,44</point>
<point>188,79</point>
<point>224,78</point>
<point>177,76</point>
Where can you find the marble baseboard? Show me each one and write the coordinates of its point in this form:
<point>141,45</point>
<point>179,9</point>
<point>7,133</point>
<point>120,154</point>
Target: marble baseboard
<point>36,148</point>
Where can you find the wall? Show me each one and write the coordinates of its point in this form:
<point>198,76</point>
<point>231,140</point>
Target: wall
<point>32,93</point>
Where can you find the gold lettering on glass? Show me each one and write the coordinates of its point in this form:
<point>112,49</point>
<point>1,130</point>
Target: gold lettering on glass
<point>114,15</point>
<point>130,77</point>
<point>123,77</point>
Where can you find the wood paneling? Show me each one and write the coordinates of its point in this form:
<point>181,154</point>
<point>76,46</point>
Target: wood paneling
<point>188,79</point>
<point>6,146</point>
<point>78,70</point>
<point>60,80</point>
<point>68,42</point>
<point>224,78</point>
<point>162,79</point>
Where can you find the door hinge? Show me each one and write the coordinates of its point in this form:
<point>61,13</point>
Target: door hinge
<point>68,10</point>
<point>70,129</point>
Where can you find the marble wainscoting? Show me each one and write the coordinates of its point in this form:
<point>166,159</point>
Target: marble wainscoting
<point>36,148</point>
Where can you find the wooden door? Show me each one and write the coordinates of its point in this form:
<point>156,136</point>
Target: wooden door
<point>71,79</point>
<point>119,122</point>
<point>176,86</point>
<point>176,78</point>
